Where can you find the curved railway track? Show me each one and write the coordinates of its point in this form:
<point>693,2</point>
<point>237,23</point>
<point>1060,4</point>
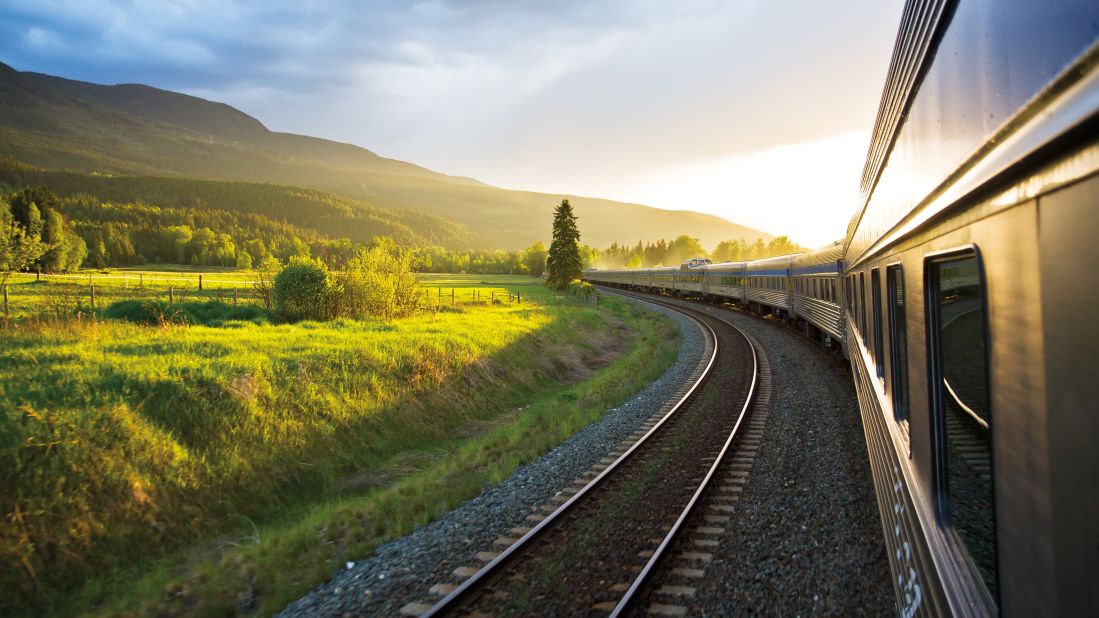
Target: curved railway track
<point>595,553</point>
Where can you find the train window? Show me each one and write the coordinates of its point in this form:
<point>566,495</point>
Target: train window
<point>962,417</point>
<point>898,344</point>
<point>875,306</point>
<point>862,305</point>
<point>847,294</point>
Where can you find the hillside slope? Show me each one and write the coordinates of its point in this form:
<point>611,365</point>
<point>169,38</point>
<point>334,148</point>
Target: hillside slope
<point>133,129</point>
<point>312,213</point>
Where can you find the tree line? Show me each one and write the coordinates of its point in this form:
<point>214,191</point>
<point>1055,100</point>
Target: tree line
<point>41,231</point>
<point>674,252</point>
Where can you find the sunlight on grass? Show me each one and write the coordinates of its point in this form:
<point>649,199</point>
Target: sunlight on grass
<point>126,442</point>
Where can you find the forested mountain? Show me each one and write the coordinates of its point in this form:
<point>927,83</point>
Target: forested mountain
<point>313,213</point>
<point>137,130</point>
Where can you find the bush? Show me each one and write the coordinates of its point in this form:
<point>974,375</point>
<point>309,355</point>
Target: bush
<point>378,282</point>
<point>582,289</point>
<point>305,290</point>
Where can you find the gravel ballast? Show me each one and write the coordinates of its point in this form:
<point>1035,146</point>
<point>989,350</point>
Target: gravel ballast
<point>806,536</point>
<point>402,571</point>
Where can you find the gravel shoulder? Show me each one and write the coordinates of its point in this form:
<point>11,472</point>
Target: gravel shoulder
<point>402,571</point>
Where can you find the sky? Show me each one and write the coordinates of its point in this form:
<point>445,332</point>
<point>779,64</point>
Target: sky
<point>758,111</point>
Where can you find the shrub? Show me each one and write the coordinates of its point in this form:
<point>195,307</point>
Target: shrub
<point>265,279</point>
<point>378,282</point>
<point>581,288</point>
<point>305,290</point>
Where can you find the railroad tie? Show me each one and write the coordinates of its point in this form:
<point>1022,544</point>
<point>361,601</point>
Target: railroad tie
<point>414,609</point>
<point>464,572</point>
<point>695,556</point>
<point>442,590</point>
<point>676,591</point>
<point>661,609</point>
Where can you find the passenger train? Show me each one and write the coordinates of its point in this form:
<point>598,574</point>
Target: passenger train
<point>965,295</point>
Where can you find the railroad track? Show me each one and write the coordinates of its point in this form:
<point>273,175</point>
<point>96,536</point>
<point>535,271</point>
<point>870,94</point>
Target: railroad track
<point>595,553</point>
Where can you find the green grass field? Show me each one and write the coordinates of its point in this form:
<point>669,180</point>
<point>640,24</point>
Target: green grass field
<point>68,293</point>
<point>196,470</point>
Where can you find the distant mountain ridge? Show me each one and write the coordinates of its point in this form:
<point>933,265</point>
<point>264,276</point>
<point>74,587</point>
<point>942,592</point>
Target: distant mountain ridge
<point>133,129</point>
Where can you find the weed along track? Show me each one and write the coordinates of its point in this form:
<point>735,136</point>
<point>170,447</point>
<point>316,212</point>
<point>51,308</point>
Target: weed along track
<point>591,550</point>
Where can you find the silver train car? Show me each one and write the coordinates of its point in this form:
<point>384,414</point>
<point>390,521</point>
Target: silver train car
<point>964,296</point>
<point>970,282</point>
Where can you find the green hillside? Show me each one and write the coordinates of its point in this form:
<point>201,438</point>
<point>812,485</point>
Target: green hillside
<point>132,129</point>
<point>311,213</point>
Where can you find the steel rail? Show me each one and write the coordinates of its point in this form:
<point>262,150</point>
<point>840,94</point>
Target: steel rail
<point>466,588</point>
<point>669,538</point>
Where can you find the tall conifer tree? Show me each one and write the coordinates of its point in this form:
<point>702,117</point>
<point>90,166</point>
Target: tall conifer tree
<point>563,262</point>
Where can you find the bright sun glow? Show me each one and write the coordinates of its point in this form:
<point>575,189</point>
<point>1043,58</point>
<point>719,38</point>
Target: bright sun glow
<point>806,191</point>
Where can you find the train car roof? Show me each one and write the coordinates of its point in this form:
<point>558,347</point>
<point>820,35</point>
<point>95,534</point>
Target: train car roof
<point>768,264</point>
<point>821,259</point>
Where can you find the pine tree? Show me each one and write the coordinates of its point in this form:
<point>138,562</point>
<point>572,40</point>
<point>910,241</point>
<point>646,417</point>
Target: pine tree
<point>563,262</point>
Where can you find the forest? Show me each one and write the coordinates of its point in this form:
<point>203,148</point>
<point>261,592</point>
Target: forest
<point>87,231</point>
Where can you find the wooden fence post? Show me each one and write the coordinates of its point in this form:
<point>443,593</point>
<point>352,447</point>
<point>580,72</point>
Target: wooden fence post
<point>200,283</point>
<point>519,297</point>
<point>452,296</point>
<point>234,297</point>
<point>92,287</point>
<point>5,301</point>
<point>171,294</point>
<point>141,281</point>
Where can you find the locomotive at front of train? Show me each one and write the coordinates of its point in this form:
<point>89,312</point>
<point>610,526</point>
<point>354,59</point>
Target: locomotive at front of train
<point>970,290</point>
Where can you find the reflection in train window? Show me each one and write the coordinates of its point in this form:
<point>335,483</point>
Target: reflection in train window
<point>875,291</point>
<point>894,283</point>
<point>962,415</point>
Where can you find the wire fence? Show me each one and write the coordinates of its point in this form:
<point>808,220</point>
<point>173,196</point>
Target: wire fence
<point>66,295</point>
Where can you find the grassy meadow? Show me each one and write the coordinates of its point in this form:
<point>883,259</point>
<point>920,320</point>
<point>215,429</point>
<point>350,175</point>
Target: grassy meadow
<point>69,294</point>
<point>177,469</point>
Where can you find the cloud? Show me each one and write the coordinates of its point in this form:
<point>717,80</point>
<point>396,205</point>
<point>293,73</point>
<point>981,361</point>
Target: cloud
<point>578,96</point>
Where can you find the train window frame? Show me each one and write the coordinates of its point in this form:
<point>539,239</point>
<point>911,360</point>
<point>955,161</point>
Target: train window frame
<point>898,347</point>
<point>933,343</point>
<point>876,317</point>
